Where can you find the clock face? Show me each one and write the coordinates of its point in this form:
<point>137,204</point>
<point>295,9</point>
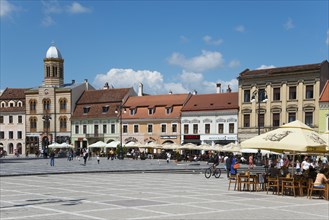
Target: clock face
<point>46,91</point>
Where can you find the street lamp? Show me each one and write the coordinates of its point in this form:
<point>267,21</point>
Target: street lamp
<point>118,111</point>
<point>46,119</point>
<point>262,97</point>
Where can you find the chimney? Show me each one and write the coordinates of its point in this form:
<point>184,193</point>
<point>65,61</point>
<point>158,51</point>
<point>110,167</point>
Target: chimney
<point>170,92</point>
<point>195,92</point>
<point>140,89</point>
<point>218,87</point>
<point>229,89</point>
<point>73,81</point>
<point>86,82</point>
<point>106,86</point>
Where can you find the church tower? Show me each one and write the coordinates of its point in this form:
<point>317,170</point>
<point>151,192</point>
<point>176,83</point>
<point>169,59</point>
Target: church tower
<point>53,67</point>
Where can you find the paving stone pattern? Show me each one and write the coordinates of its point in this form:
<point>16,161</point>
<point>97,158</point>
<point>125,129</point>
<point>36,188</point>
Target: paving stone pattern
<point>137,195</point>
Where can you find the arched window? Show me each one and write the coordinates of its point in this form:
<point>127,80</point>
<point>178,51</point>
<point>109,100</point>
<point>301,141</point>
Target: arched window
<point>63,104</point>
<point>63,123</point>
<point>3,104</point>
<point>46,105</point>
<point>47,71</point>
<point>19,104</point>
<point>33,105</point>
<point>33,124</point>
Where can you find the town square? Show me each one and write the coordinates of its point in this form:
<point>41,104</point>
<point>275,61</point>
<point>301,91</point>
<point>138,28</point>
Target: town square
<point>164,109</point>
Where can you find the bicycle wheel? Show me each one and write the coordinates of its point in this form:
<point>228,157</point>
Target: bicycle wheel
<point>217,172</point>
<point>207,173</point>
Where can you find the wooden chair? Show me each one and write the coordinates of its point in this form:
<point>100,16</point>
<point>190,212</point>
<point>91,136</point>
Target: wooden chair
<point>289,184</point>
<point>312,189</point>
<point>233,178</point>
<point>243,181</point>
<point>274,183</point>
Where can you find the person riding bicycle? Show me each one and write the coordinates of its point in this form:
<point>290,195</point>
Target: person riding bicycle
<point>216,161</point>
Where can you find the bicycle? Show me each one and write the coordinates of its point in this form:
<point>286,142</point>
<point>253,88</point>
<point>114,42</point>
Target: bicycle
<point>212,171</point>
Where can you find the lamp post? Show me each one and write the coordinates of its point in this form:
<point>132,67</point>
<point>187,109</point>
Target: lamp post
<point>46,119</point>
<point>262,97</point>
<point>118,111</point>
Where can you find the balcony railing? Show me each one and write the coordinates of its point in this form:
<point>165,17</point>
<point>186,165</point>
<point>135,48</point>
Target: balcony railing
<point>94,135</point>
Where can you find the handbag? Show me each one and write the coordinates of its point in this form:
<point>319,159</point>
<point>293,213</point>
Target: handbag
<point>236,166</point>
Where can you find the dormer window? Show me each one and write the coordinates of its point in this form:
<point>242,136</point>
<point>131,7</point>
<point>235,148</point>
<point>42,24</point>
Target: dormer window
<point>132,111</point>
<point>86,109</point>
<point>168,110</point>
<point>151,110</point>
<point>105,109</point>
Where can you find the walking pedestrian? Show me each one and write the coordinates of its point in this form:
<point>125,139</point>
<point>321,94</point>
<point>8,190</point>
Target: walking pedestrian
<point>228,165</point>
<point>85,156</point>
<point>168,157</point>
<point>251,162</point>
<point>52,158</point>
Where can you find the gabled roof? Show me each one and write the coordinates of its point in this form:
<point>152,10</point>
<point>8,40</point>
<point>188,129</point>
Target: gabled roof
<point>159,104</point>
<point>277,70</point>
<point>13,94</point>
<point>96,100</point>
<point>324,97</point>
<point>103,96</point>
<point>211,102</point>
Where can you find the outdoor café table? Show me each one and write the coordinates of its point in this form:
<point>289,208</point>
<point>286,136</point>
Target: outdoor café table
<point>248,180</point>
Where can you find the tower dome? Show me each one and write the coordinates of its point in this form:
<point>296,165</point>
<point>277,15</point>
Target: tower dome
<point>53,52</point>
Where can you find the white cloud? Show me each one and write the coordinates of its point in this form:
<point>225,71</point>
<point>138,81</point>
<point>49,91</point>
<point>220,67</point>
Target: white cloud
<point>207,60</point>
<point>53,7</point>
<point>265,67</point>
<point>240,28</point>
<point>47,21</point>
<point>209,40</point>
<point>183,39</point>
<point>6,8</point>
<point>77,8</point>
<point>289,24</point>
<point>153,81</point>
<point>234,63</point>
<point>327,41</point>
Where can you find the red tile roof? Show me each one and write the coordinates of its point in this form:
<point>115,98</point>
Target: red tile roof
<point>159,102</point>
<point>324,97</point>
<point>96,100</point>
<point>13,94</point>
<point>104,95</point>
<point>287,69</point>
<point>211,102</point>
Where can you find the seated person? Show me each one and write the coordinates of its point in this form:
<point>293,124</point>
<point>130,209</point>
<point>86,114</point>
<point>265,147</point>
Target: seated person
<point>312,174</point>
<point>320,179</point>
<point>273,171</point>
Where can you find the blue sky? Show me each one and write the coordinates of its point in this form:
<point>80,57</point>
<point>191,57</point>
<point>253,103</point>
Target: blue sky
<point>167,45</point>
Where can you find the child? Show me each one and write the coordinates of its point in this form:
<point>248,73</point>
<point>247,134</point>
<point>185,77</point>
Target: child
<point>97,157</point>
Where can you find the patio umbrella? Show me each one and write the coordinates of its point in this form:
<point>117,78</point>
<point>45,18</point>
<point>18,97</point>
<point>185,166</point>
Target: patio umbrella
<point>132,144</point>
<point>294,137</point>
<point>66,145</point>
<point>231,147</point>
<point>112,144</point>
<point>55,145</point>
<point>189,146</point>
<point>172,146</point>
<point>98,144</point>
<point>152,145</point>
<point>325,137</point>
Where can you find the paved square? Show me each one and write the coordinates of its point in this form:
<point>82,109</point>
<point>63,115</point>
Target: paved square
<point>144,196</point>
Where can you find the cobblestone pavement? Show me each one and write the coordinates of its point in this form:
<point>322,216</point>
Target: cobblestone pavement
<point>137,195</point>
